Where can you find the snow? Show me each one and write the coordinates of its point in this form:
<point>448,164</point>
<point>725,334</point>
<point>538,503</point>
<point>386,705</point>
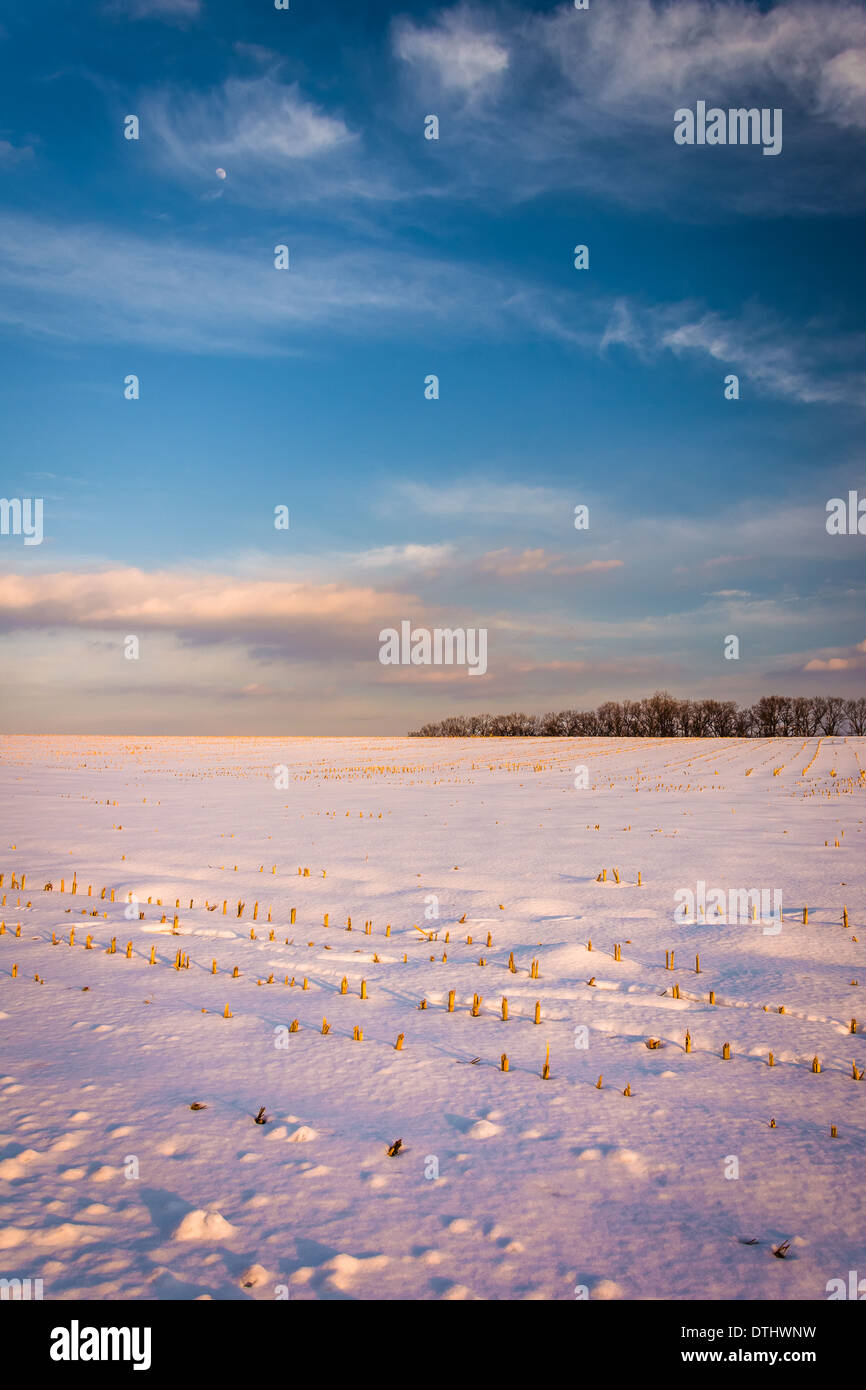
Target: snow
<point>506,1185</point>
<point>204,1225</point>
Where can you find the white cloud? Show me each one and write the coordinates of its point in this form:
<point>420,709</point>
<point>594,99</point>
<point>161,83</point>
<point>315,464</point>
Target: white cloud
<point>245,122</point>
<point>833,663</point>
<point>638,51</point>
<point>481,501</point>
<point>306,618</point>
<point>621,329</point>
<point>781,365</point>
<point>821,367</point>
<point>587,91</point>
<point>842,88</point>
<point>92,284</point>
<point>404,557</point>
<point>854,659</point>
<point>460,54</point>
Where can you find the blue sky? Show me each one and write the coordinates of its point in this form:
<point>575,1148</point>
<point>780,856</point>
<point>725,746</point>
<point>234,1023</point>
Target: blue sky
<point>306,387</point>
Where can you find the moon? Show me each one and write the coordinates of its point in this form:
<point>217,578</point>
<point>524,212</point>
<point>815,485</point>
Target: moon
<point>220,173</point>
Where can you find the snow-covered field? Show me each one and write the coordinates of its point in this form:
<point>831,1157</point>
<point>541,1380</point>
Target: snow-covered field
<point>508,1185</point>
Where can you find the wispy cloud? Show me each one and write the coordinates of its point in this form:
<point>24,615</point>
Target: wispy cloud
<point>405,558</point>
<point>254,128</point>
<point>636,58</point>
<point>458,49</point>
<point>172,11</point>
<point>780,362</point>
<point>95,284</point>
<point>91,283</point>
<point>483,500</point>
<point>509,564</point>
<point>14,154</point>
<point>811,363</point>
<point>584,88</point>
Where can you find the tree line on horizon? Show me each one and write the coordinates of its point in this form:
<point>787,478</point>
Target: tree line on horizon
<point>662,715</point>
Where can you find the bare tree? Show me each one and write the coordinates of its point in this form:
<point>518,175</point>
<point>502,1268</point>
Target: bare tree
<point>806,716</point>
<point>663,716</point>
<point>855,713</point>
<point>832,714</point>
<point>768,715</point>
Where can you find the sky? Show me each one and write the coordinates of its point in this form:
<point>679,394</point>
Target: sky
<point>304,387</point>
